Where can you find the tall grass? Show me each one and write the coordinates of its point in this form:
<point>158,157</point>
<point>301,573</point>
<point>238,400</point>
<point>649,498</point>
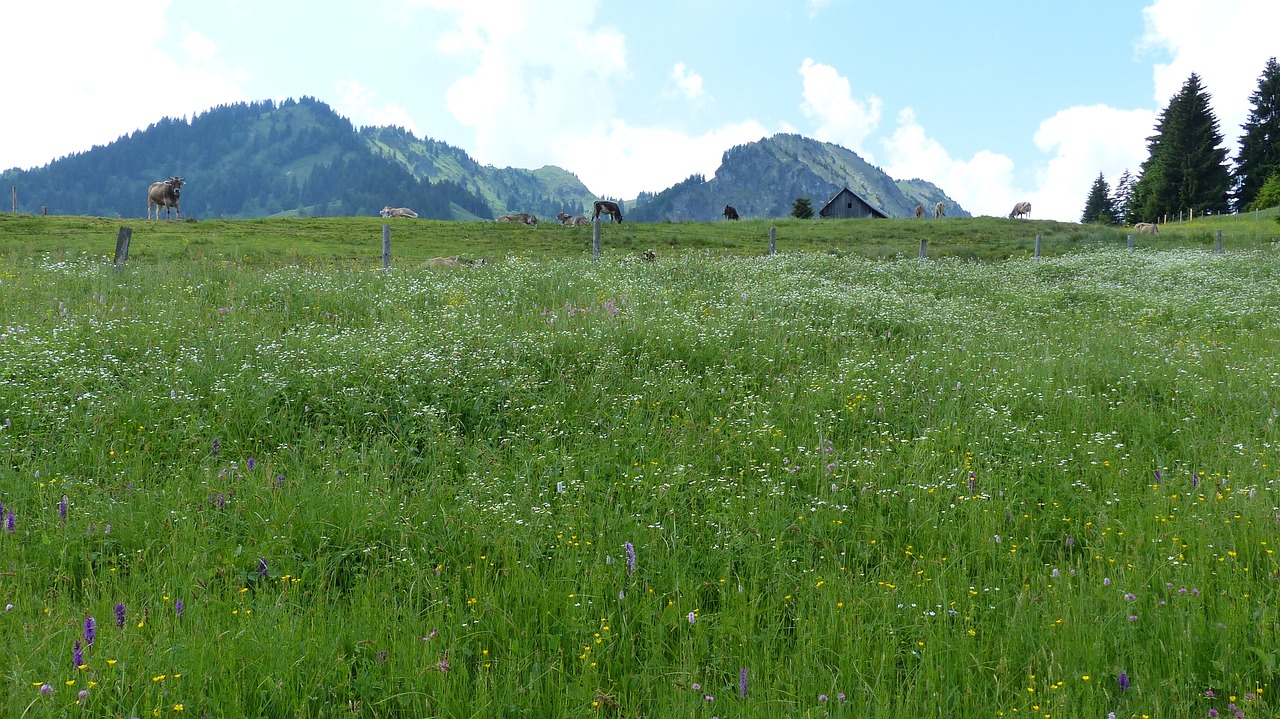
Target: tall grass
<point>799,485</point>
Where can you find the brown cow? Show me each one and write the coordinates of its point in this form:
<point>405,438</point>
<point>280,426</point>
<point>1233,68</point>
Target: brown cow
<point>573,220</point>
<point>730,213</point>
<point>165,194</point>
<point>1146,228</point>
<point>919,210</point>
<point>609,208</point>
<point>521,217</point>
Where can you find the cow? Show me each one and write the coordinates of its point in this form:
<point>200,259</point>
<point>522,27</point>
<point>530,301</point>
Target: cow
<point>609,208</point>
<point>454,262</point>
<point>573,220</point>
<point>730,213</point>
<point>390,211</point>
<point>1146,228</point>
<point>165,194</point>
<point>939,210</point>
<point>521,217</point>
<point>919,211</point>
<point>1022,209</point>
<point>649,256</point>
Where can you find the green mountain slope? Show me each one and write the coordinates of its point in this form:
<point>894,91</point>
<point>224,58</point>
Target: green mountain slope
<point>763,179</point>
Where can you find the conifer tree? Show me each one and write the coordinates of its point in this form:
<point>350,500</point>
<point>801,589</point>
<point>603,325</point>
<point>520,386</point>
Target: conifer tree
<point>1098,208</point>
<point>1259,156</point>
<point>1186,170</point>
<point>802,208</point>
<point>1122,198</point>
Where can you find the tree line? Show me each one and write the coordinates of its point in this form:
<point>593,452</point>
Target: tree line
<point>1187,170</point>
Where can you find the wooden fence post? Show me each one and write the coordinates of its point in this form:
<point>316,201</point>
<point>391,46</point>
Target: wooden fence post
<point>773,240</point>
<point>1217,247</point>
<point>386,247</point>
<point>1129,243</point>
<point>1037,248</point>
<point>122,246</point>
<point>15,199</point>
<point>924,244</point>
<point>595,239</point>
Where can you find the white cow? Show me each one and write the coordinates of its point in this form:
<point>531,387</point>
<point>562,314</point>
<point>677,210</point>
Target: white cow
<point>390,211</point>
<point>1022,209</point>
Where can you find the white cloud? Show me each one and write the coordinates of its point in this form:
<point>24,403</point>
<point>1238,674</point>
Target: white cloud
<point>842,119</point>
<point>688,84</point>
<point>654,159</point>
<point>1085,141</point>
<point>1226,43</point>
<point>99,60</point>
<point>361,106</point>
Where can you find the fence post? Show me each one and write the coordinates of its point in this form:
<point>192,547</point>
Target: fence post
<point>595,239</point>
<point>15,199</point>
<point>1037,248</point>
<point>773,240</point>
<point>1129,243</point>
<point>386,247</point>
<point>122,246</point>
<point>1217,247</point>
<point>924,244</point>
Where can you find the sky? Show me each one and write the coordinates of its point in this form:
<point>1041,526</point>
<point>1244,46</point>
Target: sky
<point>995,102</point>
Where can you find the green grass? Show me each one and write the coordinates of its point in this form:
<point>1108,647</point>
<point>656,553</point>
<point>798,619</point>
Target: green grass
<point>449,464</point>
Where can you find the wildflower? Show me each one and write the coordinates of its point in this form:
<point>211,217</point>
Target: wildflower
<point>215,446</point>
<point>90,630</point>
<point>1130,596</point>
<point>82,694</point>
<point>249,464</point>
<point>262,567</point>
<point>10,523</point>
<point>697,687</point>
<point>443,665</point>
<point>1133,617</point>
<point>822,698</point>
<point>1158,475</point>
<point>120,614</point>
<point>1055,573</point>
<point>692,617</point>
<point>742,682</point>
<point>77,655</point>
<point>46,689</point>
<point>62,508</point>
<point>1123,679</point>
<point>1213,712</point>
<point>709,698</point>
<point>1106,581</point>
<point>631,556</point>
<point>178,606</point>
<point>841,696</point>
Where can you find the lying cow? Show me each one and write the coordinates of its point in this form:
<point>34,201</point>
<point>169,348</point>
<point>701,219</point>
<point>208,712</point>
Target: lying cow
<point>573,220</point>
<point>1146,228</point>
<point>390,211</point>
<point>522,217</point>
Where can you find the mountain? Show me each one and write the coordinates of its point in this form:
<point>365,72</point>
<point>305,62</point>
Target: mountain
<point>297,157</point>
<point>764,178</point>
<point>300,158</point>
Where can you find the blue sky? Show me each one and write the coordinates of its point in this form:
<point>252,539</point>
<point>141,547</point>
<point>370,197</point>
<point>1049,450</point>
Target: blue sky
<point>994,102</point>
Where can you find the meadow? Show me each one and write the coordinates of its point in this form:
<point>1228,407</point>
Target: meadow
<point>249,473</point>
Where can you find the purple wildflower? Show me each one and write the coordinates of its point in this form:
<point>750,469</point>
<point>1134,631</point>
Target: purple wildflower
<point>1209,693</point>
<point>1133,617</point>
<point>1106,581</point>
<point>120,614</point>
<point>178,606</point>
<point>697,687</point>
<point>822,698</point>
<point>249,464</point>
<point>443,665</point>
<point>1213,712</point>
<point>216,444</point>
<point>1123,679</point>
<point>692,617</point>
<point>631,556</point>
<point>709,698</point>
<point>1130,596</point>
<point>1158,475</point>
<point>90,630</point>
<point>46,689</point>
<point>62,508</point>
<point>742,682</point>
<point>10,523</point>
<point>841,696</point>
<point>82,694</point>
<point>77,655</point>
<point>262,567</point>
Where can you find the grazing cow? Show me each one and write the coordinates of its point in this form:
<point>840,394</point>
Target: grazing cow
<point>919,210</point>
<point>649,256</point>
<point>1022,209</point>
<point>609,208</point>
<point>165,194</point>
<point>939,210</point>
<point>521,217</point>
<point>573,220</point>
<point>390,211</point>
<point>1146,228</point>
<point>730,213</point>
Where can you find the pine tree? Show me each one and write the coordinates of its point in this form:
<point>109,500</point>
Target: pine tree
<point>1122,198</point>
<point>1098,208</point>
<point>1186,169</point>
<point>802,208</point>
<point>1259,157</point>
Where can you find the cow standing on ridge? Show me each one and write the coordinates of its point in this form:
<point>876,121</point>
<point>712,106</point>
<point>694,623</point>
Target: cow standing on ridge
<point>609,208</point>
<point>1022,209</point>
<point>165,194</point>
<point>730,213</point>
<point>939,210</point>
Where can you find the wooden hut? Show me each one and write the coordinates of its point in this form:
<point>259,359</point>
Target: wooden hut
<point>846,205</point>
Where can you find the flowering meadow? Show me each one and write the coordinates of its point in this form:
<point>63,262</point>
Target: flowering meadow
<point>798,485</point>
